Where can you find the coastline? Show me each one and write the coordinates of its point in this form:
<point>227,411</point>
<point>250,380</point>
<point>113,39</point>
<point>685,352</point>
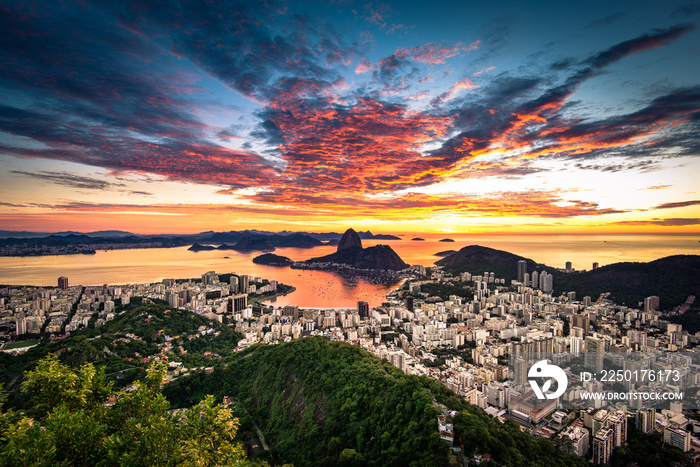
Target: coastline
<point>270,297</point>
<point>90,249</point>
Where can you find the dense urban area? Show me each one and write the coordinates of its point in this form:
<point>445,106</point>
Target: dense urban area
<point>465,331</point>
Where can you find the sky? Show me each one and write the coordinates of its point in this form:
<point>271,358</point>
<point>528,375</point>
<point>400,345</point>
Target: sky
<point>464,117</point>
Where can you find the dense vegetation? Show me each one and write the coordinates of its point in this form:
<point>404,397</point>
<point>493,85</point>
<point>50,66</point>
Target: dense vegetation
<point>122,346</point>
<point>646,451</point>
<point>672,278</point>
<point>70,424</point>
<point>318,403</point>
<point>328,403</point>
<point>480,435</point>
<point>445,289</point>
<point>321,402</point>
<point>690,320</point>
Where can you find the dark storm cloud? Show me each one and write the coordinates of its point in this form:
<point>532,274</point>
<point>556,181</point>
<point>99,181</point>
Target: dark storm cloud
<point>647,165</point>
<point>141,193</point>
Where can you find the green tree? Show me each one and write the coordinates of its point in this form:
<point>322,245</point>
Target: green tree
<point>72,426</point>
<point>52,384</point>
<point>350,458</point>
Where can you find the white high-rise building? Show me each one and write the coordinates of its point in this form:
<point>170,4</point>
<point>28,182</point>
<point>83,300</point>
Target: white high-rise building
<point>603,446</point>
<point>576,344</point>
<point>645,420</point>
<point>579,440</point>
<point>21,324</point>
<point>546,282</point>
<point>677,437</point>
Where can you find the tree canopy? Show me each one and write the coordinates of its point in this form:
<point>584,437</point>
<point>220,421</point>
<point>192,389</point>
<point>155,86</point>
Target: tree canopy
<point>74,421</point>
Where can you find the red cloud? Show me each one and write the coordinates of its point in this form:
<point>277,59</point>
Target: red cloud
<point>430,54</point>
<point>409,207</point>
<point>364,67</point>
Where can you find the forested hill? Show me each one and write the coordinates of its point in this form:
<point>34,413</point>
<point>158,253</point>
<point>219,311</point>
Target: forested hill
<point>126,345</point>
<point>672,278</point>
<point>329,403</point>
<point>316,400</point>
<point>478,259</point>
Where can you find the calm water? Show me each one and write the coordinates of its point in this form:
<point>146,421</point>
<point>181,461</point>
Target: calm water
<point>324,289</point>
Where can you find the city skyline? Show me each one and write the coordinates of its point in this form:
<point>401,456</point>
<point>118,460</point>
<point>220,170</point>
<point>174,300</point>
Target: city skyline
<point>394,117</point>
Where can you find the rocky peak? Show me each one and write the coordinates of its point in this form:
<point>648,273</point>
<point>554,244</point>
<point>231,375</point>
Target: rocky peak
<point>350,239</point>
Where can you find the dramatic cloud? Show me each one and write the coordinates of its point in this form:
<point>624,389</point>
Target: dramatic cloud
<point>538,127</point>
<point>414,206</point>
<point>428,53</point>
<point>455,89</point>
<point>134,87</point>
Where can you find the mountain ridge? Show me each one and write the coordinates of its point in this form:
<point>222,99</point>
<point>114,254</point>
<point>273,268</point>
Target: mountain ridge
<point>671,278</point>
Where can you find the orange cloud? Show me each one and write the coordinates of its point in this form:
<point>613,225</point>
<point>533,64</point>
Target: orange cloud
<point>363,67</point>
<point>485,70</point>
<point>432,55</point>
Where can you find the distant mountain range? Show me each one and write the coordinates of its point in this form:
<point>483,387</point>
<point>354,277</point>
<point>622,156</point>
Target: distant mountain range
<point>209,235</point>
<point>99,233</point>
<point>24,243</point>
<point>672,278</point>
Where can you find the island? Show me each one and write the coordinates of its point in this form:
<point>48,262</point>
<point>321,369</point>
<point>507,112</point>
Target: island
<point>379,262</point>
<point>270,259</point>
<point>385,237</point>
<point>197,247</point>
<point>418,239</point>
<point>447,240</point>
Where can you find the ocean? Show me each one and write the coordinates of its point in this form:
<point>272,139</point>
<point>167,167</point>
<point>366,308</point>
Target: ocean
<point>319,289</point>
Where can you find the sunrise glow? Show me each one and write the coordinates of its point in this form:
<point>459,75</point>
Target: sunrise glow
<point>286,116</point>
